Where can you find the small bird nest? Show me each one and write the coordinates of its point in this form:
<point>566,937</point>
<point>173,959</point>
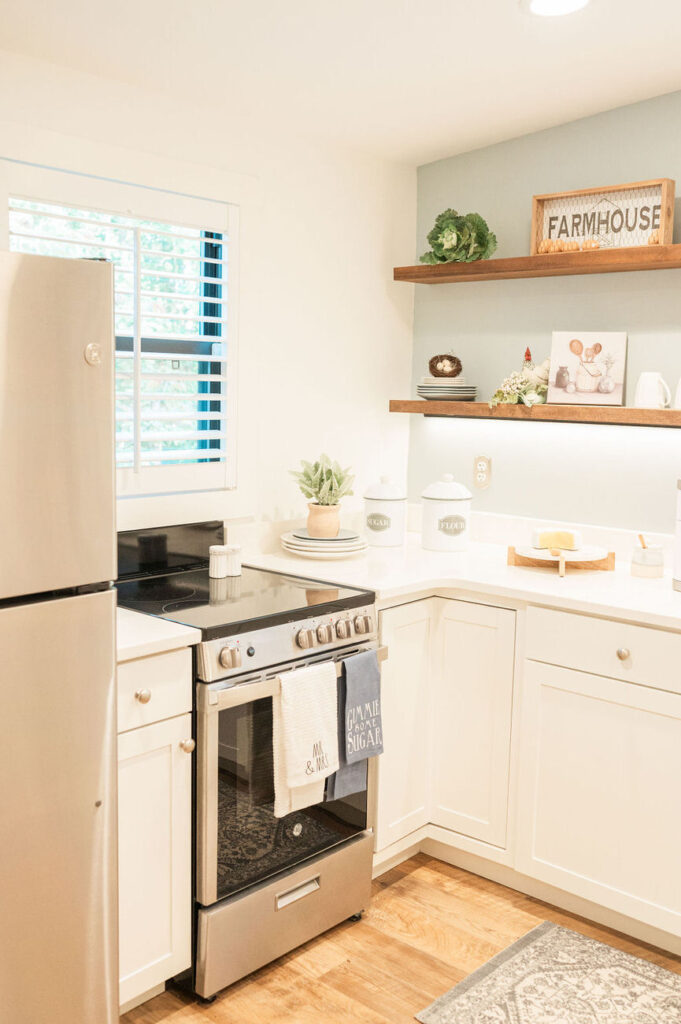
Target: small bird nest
<point>445,366</point>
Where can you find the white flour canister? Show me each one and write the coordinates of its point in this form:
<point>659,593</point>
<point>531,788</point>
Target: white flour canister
<point>385,515</point>
<point>446,515</point>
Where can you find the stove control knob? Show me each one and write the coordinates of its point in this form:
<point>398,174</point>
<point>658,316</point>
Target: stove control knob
<point>362,624</point>
<point>343,629</point>
<point>306,638</point>
<point>324,634</point>
<point>230,657</point>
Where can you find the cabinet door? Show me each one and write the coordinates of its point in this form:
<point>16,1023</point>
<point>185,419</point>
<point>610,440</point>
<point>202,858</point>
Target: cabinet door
<point>154,855</point>
<point>472,703</point>
<point>599,803</point>
<point>405,699</point>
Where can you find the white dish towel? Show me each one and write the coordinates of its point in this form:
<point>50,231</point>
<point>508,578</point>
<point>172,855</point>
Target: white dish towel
<point>304,736</point>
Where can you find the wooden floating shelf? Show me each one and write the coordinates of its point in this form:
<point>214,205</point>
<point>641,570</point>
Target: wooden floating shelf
<point>561,264</point>
<point>543,413</point>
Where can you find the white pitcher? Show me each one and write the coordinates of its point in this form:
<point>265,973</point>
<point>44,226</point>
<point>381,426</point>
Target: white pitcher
<point>652,391</point>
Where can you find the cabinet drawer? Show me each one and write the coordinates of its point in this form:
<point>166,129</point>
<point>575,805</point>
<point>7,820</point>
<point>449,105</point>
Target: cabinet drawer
<point>167,678</point>
<point>636,654</point>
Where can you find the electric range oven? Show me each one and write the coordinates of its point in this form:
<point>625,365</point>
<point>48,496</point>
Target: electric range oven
<point>263,885</point>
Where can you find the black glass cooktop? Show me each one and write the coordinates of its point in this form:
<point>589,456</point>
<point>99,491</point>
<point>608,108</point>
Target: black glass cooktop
<point>225,607</point>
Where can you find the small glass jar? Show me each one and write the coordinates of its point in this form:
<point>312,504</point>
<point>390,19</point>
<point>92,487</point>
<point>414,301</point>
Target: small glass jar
<point>648,562</point>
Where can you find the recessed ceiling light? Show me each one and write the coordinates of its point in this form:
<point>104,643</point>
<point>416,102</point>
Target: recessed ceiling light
<point>553,8</point>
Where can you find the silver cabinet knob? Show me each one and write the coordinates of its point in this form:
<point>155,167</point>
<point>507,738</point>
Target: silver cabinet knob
<point>306,638</point>
<point>343,629</point>
<point>143,696</point>
<point>324,634</point>
<point>187,745</point>
<point>623,653</point>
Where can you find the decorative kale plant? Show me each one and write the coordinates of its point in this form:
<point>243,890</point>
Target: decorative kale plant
<point>459,239</point>
<point>324,481</point>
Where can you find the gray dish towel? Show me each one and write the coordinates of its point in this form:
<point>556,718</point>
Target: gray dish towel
<point>350,778</point>
<point>360,732</point>
<point>363,726</point>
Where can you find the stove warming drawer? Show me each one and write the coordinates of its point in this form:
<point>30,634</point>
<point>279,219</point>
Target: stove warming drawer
<point>248,930</point>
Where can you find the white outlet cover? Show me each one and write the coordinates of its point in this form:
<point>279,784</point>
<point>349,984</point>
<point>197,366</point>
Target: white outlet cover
<point>482,471</point>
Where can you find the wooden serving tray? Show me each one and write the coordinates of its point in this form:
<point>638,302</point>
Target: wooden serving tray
<point>585,558</point>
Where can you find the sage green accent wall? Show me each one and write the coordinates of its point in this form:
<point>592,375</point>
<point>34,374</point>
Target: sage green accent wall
<point>618,476</point>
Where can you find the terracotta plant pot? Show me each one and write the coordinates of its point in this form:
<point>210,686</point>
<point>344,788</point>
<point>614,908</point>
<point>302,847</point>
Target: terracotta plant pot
<point>323,520</point>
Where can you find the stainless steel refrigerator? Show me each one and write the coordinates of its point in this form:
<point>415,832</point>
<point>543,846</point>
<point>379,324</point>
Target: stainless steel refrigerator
<point>58,899</point>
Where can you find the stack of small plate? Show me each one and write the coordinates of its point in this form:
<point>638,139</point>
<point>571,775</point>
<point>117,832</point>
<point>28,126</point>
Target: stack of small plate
<point>345,545</point>
<point>447,389</point>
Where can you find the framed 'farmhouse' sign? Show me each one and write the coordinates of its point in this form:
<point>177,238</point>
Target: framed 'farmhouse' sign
<point>617,216</point>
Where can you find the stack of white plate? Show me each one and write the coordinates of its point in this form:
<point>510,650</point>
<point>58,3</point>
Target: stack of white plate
<point>345,545</point>
<point>448,389</point>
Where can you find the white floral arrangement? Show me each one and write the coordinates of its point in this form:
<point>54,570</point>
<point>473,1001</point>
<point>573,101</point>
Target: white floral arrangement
<point>528,386</point>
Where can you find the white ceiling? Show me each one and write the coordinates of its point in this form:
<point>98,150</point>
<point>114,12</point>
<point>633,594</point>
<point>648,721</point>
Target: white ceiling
<point>411,80</point>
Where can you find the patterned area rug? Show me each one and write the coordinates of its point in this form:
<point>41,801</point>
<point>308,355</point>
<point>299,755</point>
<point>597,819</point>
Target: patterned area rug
<point>555,976</point>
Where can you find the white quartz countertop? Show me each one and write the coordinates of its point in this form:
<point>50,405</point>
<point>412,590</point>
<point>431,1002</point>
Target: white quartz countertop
<point>408,571</point>
<point>138,635</point>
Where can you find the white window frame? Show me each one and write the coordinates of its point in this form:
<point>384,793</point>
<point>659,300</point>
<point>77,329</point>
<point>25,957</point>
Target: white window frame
<point>41,184</point>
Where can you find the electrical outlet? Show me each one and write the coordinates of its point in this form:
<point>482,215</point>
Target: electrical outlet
<point>482,471</point>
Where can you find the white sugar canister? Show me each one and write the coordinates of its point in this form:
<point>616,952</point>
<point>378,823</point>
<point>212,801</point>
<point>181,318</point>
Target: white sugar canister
<point>385,514</point>
<point>446,515</point>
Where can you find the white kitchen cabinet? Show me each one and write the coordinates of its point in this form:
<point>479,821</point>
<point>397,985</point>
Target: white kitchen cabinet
<point>405,700</point>
<point>472,701</point>
<point>599,797</point>
<point>154,851</point>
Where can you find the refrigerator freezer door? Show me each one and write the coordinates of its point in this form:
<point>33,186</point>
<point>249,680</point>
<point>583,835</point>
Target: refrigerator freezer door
<point>58,900</point>
<point>56,424</point>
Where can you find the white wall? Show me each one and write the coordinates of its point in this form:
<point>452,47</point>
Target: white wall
<point>325,337</point>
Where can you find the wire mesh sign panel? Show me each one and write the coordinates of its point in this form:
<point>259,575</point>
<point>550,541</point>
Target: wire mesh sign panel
<point>613,217</point>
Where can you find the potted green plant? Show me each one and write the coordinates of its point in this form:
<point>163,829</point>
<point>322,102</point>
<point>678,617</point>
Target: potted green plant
<point>324,483</point>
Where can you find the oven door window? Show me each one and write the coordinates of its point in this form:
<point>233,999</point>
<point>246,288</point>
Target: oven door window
<point>252,844</point>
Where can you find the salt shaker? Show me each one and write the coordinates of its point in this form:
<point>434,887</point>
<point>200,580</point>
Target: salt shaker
<point>225,560</point>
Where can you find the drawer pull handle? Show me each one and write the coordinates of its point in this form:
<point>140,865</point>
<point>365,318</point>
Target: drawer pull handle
<point>285,899</point>
<point>623,653</point>
<point>187,745</point>
<point>143,696</point>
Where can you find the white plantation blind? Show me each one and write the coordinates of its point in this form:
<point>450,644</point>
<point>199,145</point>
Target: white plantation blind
<point>171,319</point>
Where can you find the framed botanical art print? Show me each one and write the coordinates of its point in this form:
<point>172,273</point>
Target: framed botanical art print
<point>588,368</point>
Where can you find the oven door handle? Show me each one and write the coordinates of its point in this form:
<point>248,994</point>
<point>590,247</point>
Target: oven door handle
<point>212,697</point>
<point>233,696</point>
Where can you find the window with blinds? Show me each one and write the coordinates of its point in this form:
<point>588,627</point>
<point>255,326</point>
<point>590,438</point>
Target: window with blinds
<point>170,285</point>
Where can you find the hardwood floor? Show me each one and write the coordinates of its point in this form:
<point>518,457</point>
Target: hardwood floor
<point>429,925</point>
